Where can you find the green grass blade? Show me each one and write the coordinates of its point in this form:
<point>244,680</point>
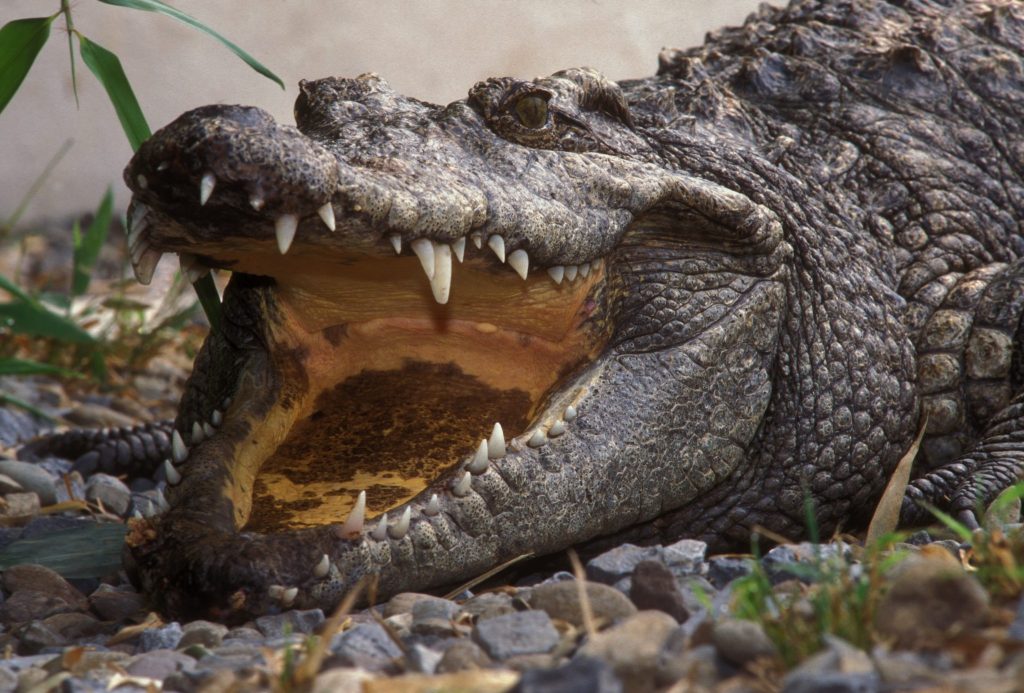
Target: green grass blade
<point>13,401</point>
<point>90,551</point>
<point>12,366</point>
<point>87,247</point>
<point>34,319</point>
<point>957,527</point>
<point>164,8</point>
<point>15,290</point>
<point>107,68</point>
<point>210,300</point>
<point>20,43</point>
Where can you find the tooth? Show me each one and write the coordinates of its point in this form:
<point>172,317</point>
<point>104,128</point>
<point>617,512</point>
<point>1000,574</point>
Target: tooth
<point>216,417</point>
<point>496,444</point>
<point>146,264</point>
<point>191,267</point>
<point>400,528</point>
<point>497,244</point>
<point>197,433</point>
<point>288,596</point>
<point>424,250</point>
<point>595,264</point>
<point>433,506</point>
<point>206,185</point>
<point>172,475</point>
<point>478,240</point>
<point>537,439</point>
<point>459,246</point>
<point>396,243</point>
<point>380,532</point>
<point>178,448</point>
<point>354,524</point>
<point>441,283</point>
<point>326,213</point>
<point>322,568</point>
<point>141,180</point>
<point>520,262</point>
<point>275,591</point>
<point>557,273</point>
<point>584,269</point>
<point>557,429</point>
<point>139,212</point>
<point>226,403</point>
<point>207,430</point>
<point>479,463</point>
<point>163,166</point>
<point>569,414</point>
<point>570,272</point>
<point>256,201</point>
<point>463,485</point>
<point>284,229</point>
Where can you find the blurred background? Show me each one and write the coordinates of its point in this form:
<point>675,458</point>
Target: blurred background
<point>433,50</point>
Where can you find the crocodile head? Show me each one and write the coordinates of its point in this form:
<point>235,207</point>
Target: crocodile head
<point>454,335</point>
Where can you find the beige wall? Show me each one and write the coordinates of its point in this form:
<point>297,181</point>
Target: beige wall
<point>430,49</point>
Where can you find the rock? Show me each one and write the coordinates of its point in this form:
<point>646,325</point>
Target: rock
<point>9,485</point>
<point>685,557</point>
<point>434,617</point>
<point>521,633</point>
<point>580,675</point>
<point>561,600</point>
<point>91,415</point>
<point>277,625</point>
<point>930,599</point>
<point>78,627</point>
<point>16,426</point>
<point>840,667</point>
<point>341,681</point>
<point>654,587</point>
<point>203,633</point>
<point>632,648</point>
<point>116,604</point>
<point>35,636</point>
<point>109,491</point>
<point>724,569</point>
<point>149,503</point>
<point>403,602</point>
<point>423,659</point>
<point>28,605</point>
<point>159,664</point>
<point>910,670</point>
<point>462,655</point>
<point>678,661</point>
<point>163,638</point>
<point>615,565</point>
<point>740,641</point>
<point>400,624</point>
<point>366,645</point>
<point>21,506</point>
<point>478,681</point>
<point>42,579</point>
<point>1016,631</point>
<point>488,605</point>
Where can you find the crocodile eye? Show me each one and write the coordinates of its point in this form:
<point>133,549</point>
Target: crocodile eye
<point>532,111</point>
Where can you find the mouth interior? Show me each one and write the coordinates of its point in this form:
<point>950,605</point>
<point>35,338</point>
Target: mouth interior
<point>402,389</point>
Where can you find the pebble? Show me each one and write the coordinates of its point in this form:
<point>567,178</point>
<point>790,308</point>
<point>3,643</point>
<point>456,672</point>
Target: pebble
<point>109,491</point>
<point>463,655</point>
<point>741,642</point>
<point>580,675</point>
<point>203,633</point>
<point>654,587</point>
<point>279,625</point>
<point>615,567</point>
<point>164,637</point>
<point>116,603</point>
<point>520,633</point>
<point>367,646</point>
<point>31,478</point>
<point>561,600</point>
<point>632,648</point>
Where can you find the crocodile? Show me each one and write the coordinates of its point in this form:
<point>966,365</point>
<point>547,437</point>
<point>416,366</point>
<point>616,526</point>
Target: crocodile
<point>570,311</point>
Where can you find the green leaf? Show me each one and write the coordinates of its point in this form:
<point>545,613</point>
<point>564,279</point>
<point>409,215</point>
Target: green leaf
<point>34,319</point>
<point>87,248</point>
<point>90,551</point>
<point>107,68</point>
<point>18,402</point>
<point>957,527</point>
<point>20,43</point>
<point>164,8</point>
<point>210,300</point>
<point>13,289</point>
<point>12,366</point>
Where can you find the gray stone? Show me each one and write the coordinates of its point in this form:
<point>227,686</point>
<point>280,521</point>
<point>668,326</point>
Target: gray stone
<point>463,655</point>
<point>686,557</point>
<point>678,660</point>
<point>78,627</point>
<point>8,680</point>
<point>654,587</point>
<point>403,602</point>
<point>159,664</point>
<point>613,566</point>
<point>521,633</point>
<point>243,634</point>
<point>116,603</point>
<point>36,636</point>
<point>424,659</point>
<point>20,506</point>
<point>632,648</point>
<point>93,415</point>
<point>16,426</point>
<point>42,579</point>
<point>149,503</point>
<point>434,617</point>
<point>580,675</point>
<point>561,600</point>
<point>203,633</point>
<point>740,641</point>
<point>799,681</point>
<point>488,605</point>
<point>278,625</point>
<point>341,681</point>
<point>31,478</point>
<point>28,605</point>
<point>724,569</point>
<point>163,638</point>
<point>109,491</point>
<point>366,645</point>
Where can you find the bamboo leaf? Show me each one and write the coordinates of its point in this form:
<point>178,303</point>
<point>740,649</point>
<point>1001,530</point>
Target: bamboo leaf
<point>164,8</point>
<point>107,68</point>
<point>12,366</point>
<point>20,43</point>
<point>87,247</point>
<point>34,319</point>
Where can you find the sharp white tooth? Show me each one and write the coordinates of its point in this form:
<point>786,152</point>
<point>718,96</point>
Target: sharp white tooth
<point>595,264</point>
<point>354,524</point>
<point>400,528</point>
<point>396,243</point>
<point>380,532</point>
<point>496,443</point>
<point>537,439</point>
<point>256,201</point>
<point>216,417</point>
<point>145,265</point>
<point>557,273</point>
<point>424,250</point>
<point>557,429</point>
<point>570,271</point>
<point>139,212</point>
<point>284,229</point>
<point>441,284</point>
<point>207,430</point>
<point>497,244</point>
<point>141,180</point>
<point>288,596</point>
<point>197,433</point>
<point>463,485</point>
<point>433,506</point>
<point>178,448</point>
<point>171,474</point>
<point>206,185</point>
<point>163,166</point>
<point>520,262</point>
<point>459,248</point>
<point>569,414</point>
<point>478,240</point>
<point>326,212</point>
<point>585,269</point>
<point>226,403</point>
<point>275,591</point>
<point>322,568</point>
<point>479,463</point>
<point>191,267</point>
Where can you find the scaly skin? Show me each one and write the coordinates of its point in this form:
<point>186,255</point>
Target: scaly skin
<point>807,234</point>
